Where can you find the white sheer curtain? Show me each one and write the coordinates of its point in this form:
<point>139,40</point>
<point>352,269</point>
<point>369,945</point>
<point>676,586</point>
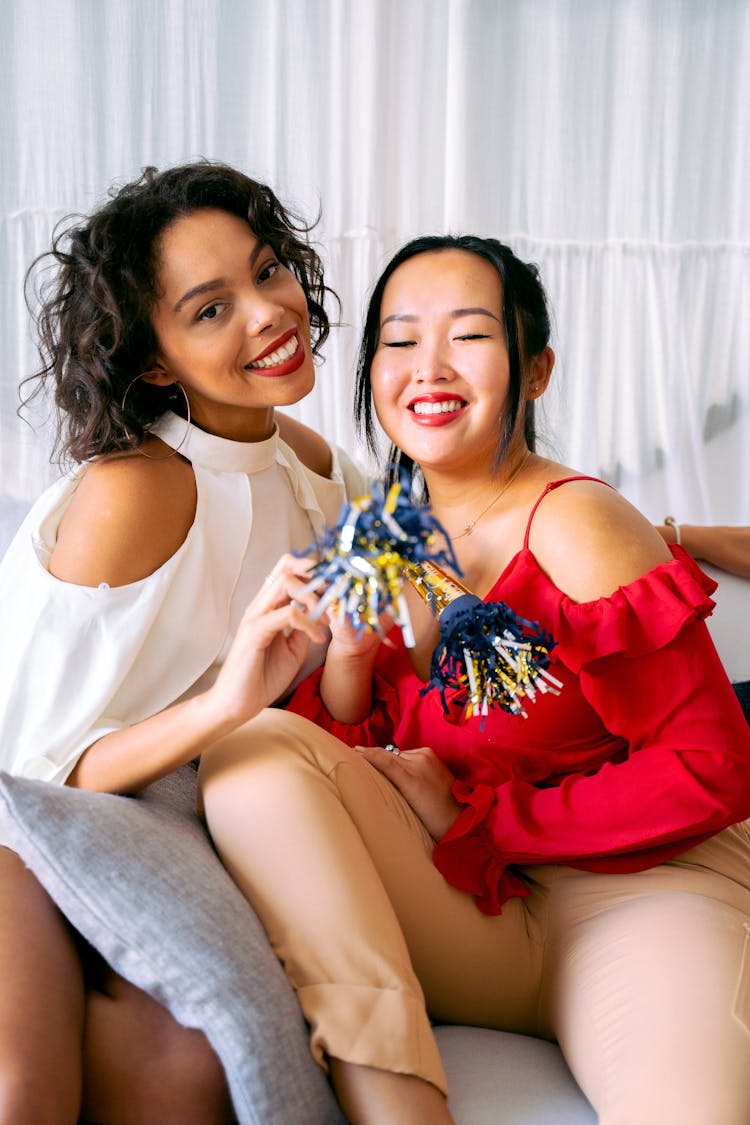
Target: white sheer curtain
<point>607,140</point>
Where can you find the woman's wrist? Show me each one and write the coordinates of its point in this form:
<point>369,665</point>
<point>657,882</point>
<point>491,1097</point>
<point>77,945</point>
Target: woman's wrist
<point>354,653</point>
<point>213,717</point>
<point>674,535</point>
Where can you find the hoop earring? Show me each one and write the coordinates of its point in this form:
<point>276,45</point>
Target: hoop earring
<point>130,437</point>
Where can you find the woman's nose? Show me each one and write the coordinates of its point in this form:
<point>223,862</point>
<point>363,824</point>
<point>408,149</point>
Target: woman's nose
<point>262,314</point>
<point>432,364</point>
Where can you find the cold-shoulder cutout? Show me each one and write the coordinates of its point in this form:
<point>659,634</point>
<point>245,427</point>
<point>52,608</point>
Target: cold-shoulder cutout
<point>312,449</point>
<point>129,515</point>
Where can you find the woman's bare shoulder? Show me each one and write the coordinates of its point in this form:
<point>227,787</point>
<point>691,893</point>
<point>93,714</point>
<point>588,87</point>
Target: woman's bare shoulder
<point>128,516</point>
<point>590,540</point>
<point>312,449</point>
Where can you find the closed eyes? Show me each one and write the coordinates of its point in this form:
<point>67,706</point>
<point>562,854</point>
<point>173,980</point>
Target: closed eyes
<point>411,343</point>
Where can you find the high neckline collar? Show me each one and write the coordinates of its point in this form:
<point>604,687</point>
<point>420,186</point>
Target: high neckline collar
<point>212,452</point>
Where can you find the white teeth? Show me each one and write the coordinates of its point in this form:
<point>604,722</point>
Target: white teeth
<point>437,407</point>
<point>286,351</point>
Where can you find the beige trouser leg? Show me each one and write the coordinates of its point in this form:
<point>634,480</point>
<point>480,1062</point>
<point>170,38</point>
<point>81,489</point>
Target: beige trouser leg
<point>276,800</point>
<point>639,976</point>
<point>647,986</point>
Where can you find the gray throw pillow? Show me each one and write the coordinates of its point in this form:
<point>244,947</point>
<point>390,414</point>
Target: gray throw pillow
<point>139,879</point>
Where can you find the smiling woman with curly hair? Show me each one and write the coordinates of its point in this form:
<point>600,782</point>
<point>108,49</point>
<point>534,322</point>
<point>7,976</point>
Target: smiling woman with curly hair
<point>175,320</point>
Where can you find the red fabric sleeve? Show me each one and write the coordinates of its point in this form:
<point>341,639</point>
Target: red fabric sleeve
<point>375,730</point>
<point>686,774</point>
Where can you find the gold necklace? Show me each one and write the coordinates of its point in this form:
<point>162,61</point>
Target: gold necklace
<point>470,526</point>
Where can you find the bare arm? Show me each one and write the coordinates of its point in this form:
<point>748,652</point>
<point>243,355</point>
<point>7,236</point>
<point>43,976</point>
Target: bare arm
<point>346,682</point>
<point>725,547</point>
<point>268,650</point>
<point>346,685</point>
<point>127,760</point>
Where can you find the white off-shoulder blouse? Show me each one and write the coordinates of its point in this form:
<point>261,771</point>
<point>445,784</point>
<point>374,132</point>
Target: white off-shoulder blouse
<point>78,662</point>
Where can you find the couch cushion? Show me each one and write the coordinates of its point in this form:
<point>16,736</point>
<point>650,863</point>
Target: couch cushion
<point>496,1078</point>
<point>726,623</point>
<point>139,879</point>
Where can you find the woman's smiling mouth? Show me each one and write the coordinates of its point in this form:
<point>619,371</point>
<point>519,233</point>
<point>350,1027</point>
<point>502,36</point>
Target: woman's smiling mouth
<point>437,410</point>
<point>285,357</point>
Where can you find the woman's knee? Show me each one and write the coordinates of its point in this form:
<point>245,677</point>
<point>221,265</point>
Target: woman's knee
<point>144,1068</point>
<point>195,1083</point>
<point>275,742</point>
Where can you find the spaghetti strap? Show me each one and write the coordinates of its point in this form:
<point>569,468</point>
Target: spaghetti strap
<point>550,487</point>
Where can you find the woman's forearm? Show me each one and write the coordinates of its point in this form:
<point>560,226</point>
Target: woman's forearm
<point>727,548</point>
<point>268,650</point>
<point>346,684</point>
<point>127,760</point>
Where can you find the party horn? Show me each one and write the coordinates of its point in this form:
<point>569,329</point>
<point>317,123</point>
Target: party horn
<point>486,655</point>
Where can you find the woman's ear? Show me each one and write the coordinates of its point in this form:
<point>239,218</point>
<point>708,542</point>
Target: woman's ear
<point>540,372</point>
<point>158,376</point>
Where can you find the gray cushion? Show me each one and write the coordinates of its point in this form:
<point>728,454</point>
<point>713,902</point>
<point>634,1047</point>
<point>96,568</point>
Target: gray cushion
<point>139,879</point>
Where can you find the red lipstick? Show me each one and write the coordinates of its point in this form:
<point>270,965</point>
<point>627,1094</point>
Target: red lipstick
<point>433,418</point>
<point>287,366</point>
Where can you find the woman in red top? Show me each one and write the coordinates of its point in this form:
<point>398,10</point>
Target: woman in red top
<point>582,874</point>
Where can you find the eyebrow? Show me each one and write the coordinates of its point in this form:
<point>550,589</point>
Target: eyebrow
<point>204,287</point>
<point>217,282</point>
<point>410,318</point>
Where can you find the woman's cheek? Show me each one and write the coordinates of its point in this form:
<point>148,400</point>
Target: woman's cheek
<point>385,379</point>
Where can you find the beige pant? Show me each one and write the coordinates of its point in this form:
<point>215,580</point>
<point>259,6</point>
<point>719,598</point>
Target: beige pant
<point>643,979</point>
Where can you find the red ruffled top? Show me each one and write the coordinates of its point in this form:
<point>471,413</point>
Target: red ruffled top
<point>645,753</point>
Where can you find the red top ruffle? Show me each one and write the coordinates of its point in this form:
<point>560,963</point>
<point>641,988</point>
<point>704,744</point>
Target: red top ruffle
<point>634,762</point>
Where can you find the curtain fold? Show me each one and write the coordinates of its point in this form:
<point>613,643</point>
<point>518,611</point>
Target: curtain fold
<point>606,140</point>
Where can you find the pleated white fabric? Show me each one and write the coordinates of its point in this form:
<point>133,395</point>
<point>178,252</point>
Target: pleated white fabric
<point>607,140</point>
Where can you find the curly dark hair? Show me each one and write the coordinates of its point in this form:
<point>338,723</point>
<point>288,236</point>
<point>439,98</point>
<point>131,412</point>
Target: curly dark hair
<point>526,321</point>
<point>94,312</point>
